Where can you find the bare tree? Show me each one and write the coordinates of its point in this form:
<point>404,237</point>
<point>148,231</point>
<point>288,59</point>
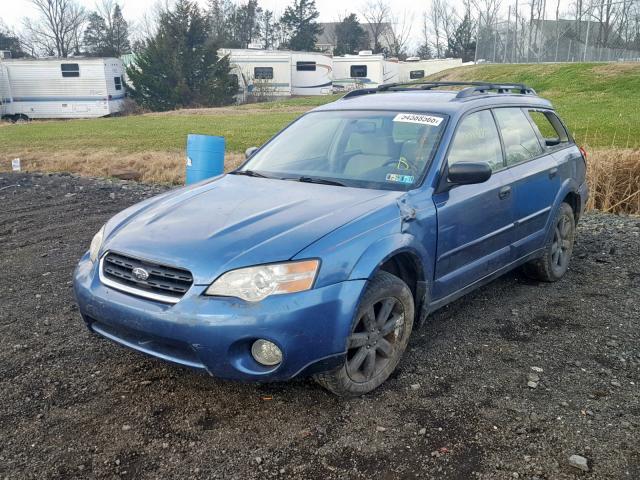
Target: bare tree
<point>444,21</point>
<point>57,29</point>
<point>377,13</point>
<point>398,33</point>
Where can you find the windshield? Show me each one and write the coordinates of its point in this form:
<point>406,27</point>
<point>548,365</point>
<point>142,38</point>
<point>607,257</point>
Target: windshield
<point>381,150</point>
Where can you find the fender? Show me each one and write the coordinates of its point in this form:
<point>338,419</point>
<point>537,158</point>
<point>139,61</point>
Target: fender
<point>567,187</point>
<point>386,247</point>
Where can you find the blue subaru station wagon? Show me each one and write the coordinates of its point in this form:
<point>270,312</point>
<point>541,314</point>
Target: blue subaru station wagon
<point>323,250</point>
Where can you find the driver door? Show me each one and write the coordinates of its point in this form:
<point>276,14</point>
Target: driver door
<point>475,222</point>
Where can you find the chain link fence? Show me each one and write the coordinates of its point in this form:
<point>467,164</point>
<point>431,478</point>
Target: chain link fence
<point>552,41</point>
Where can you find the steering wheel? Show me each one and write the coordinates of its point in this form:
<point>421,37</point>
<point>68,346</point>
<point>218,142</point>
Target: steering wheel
<point>396,162</point>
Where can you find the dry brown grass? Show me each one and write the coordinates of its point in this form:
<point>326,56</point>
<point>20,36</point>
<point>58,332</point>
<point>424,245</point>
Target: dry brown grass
<point>155,167</point>
<point>613,174</point>
<point>614,180</point>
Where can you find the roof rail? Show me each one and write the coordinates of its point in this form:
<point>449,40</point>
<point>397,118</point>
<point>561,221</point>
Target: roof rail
<point>472,88</point>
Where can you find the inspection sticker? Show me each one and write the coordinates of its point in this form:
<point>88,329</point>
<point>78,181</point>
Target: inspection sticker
<point>417,118</point>
<point>394,177</point>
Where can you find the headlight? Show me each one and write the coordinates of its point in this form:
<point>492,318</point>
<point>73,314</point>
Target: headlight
<point>96,243</point>
<point>257,283</point>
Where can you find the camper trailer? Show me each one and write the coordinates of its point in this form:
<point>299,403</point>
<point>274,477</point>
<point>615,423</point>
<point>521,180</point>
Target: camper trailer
<point>363,70</point>
<point>61,88</point>
<point>260,73</point>
<point>311,73</point>
<point>5,96</point>
<point>416,69</point>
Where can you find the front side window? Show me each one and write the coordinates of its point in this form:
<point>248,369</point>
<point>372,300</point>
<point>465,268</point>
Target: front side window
<point>416,74</point>
<point>263,73</point>
<point>520,140</point>
<point>549,127</point>
<point>477,140</point>
<point>381,150</point>
<point>118,83</point>
<point>70,69</point>
<point>306,66</point>
<point>358,71</point>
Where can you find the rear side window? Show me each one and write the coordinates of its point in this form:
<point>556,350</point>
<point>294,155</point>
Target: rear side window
<point>306,66</point>
<point>263,73</point>
<point>549,127</point>
<point>416,74</point>
<point>118,83</point>
<point>477,140</point>
<point>70,69</point>
<point>520,140</point>
<point>358,71</point>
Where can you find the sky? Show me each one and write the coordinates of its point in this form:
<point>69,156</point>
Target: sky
<point>13,11</point>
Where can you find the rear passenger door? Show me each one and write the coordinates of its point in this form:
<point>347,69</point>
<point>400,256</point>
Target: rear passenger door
<point>535,173</point>
<point>475,222</point>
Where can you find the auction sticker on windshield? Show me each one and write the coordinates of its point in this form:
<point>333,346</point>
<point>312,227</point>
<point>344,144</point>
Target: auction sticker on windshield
<point>417,118</point>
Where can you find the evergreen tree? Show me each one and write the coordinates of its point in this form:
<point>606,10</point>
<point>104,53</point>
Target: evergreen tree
<point>107,36</point>
<point>179,67</point>
<point>268,30</point>
<point>424,52</point>
<point>96,36</point>
<point>300,24</point>
<point>11,42</point>
<point>350,36</point>
<point>462,44</point>
<point>119,33</point>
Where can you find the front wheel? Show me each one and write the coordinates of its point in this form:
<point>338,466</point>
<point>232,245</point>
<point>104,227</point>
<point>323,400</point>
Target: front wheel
<point>554,262</point>
<point>379,336</point>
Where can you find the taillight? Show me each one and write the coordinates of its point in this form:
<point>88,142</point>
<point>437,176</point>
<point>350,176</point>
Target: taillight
<point>583,152</point>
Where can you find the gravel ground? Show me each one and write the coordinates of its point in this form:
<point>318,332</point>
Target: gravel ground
<point>509,382</point>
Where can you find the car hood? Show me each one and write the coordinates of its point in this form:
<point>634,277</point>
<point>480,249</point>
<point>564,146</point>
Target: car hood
<point>236,221</point>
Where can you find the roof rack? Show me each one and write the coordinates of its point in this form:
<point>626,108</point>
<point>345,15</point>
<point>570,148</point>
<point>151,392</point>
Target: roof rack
<point>472,88</point>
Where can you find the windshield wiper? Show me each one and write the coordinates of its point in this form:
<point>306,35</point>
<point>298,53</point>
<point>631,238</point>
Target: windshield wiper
<point>319,180</point>
<point>249,173</point>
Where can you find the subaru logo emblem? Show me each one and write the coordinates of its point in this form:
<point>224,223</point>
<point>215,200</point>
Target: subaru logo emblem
<point>140,273</point>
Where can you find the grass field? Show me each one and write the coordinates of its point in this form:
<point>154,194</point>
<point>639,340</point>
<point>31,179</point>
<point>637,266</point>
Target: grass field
<point>599,102</point>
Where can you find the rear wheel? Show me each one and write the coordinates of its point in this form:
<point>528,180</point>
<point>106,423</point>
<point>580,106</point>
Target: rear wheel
<point>379,336</point>
<point>554,263</point>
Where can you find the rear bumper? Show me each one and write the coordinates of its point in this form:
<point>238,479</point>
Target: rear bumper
<point>216,334</point>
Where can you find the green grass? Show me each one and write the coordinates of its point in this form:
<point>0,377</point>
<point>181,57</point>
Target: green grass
<point>599,102</point>
<point>143,133</point>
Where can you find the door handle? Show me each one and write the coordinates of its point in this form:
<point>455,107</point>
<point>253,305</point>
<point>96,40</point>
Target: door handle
<point>504,192</point>
<point>553,172</point>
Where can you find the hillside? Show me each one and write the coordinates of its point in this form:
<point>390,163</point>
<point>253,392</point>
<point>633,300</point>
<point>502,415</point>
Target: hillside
<point>599,101</point>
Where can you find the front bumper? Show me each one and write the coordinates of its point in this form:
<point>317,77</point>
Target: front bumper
<point>216,333</point>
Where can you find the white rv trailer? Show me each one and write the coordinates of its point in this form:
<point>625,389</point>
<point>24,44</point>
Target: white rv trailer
<point>5,96</point>
<point>311,73</point>
<point>260,72</point>
<point>62,88</point>
<point>417,69</point>
<point>363,70</point>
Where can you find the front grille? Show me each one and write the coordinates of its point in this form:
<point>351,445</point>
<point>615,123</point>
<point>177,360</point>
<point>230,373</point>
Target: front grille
<point>168,283</point>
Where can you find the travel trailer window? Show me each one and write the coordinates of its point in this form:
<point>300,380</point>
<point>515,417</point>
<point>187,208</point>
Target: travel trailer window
<point>263,73</point>
<point>118,83</point>
<point>358,71</point>
<point>306,66</point>
<point>416,74</point>
<point>70,69</point>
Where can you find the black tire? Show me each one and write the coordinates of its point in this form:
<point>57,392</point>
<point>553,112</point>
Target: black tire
<point>374,347</point>
<point>554,263</point>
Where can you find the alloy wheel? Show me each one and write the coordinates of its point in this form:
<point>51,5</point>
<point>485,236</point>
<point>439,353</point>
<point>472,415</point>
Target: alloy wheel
<point>372,344</point>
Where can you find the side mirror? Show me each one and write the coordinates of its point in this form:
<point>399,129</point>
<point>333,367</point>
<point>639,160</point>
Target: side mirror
<point>249,152</point>
<point>468,173</point>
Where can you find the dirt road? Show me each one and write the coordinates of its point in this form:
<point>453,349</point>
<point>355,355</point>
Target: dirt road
<point>75,406</point>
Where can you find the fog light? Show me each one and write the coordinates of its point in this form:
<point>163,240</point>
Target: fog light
<point>266,353</point>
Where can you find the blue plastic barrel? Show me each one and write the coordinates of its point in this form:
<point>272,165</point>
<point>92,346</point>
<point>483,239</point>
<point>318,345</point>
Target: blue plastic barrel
<point>205,157</point>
